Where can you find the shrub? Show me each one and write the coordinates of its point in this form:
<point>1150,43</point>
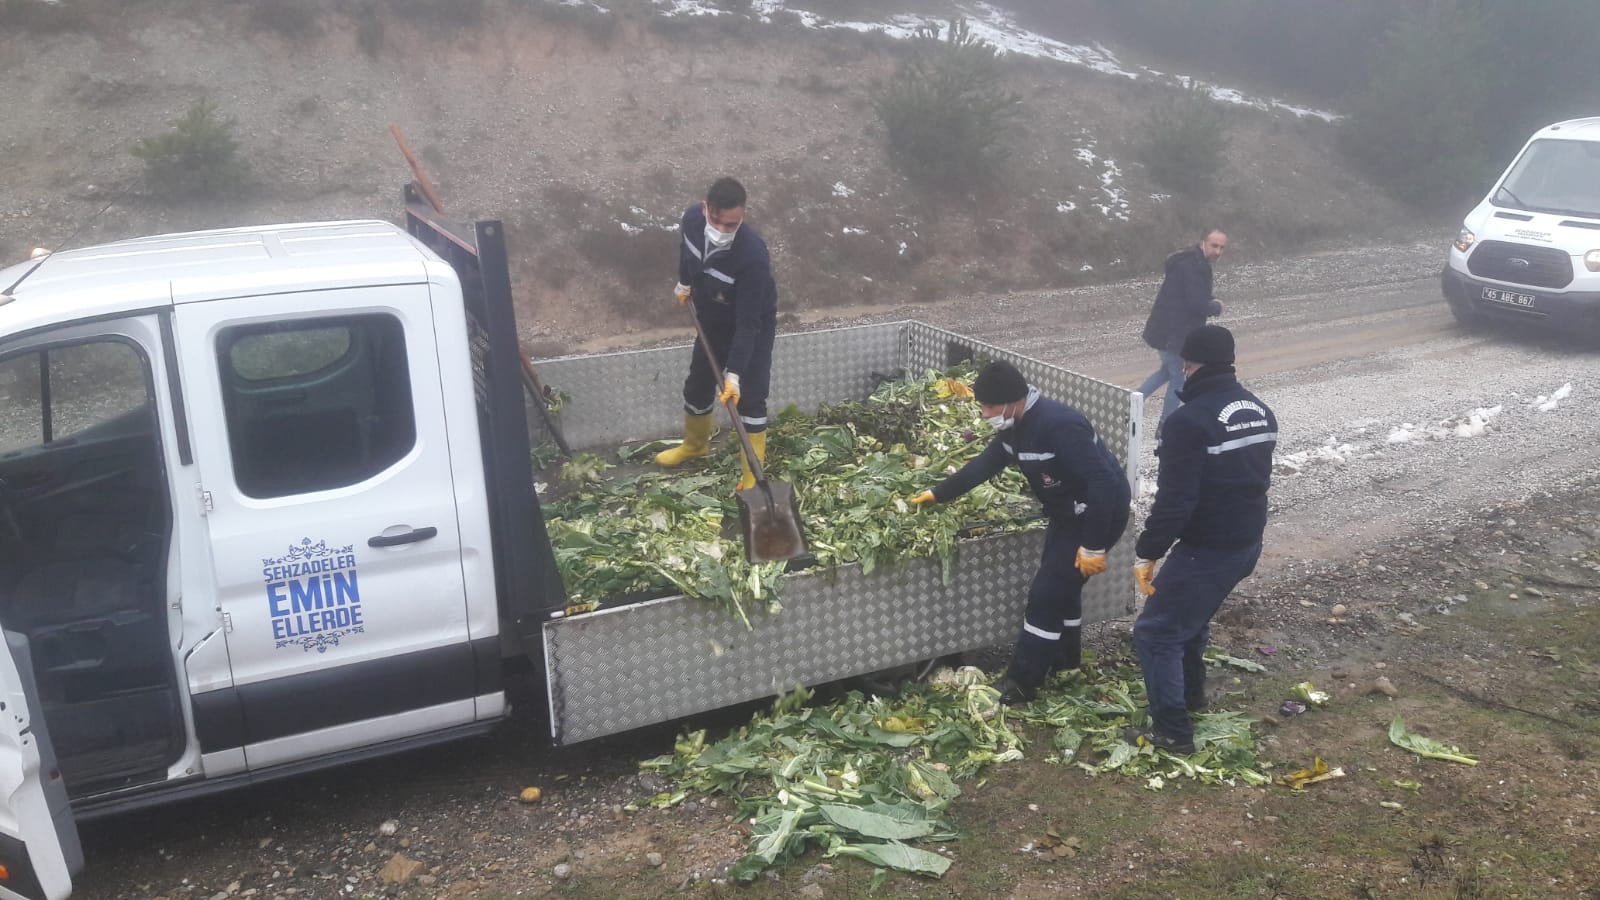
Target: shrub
<point>199,157</point>
<point>370,36</point>
<point>946,112</point>
<point>292,20</point>
<point>1183,143</point>
<point>1422,125</point>
<point>42,16</point>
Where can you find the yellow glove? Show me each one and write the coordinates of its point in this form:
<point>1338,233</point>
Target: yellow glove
<point>1144,572</point>
<point>682,293</point>
<point>1090,562</point>
<point>949,387</point>
<point>730,388</point>
<point>924,497</point>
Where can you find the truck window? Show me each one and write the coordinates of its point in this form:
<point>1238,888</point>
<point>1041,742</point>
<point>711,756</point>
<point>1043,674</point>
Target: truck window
<point>315,404</point>
<point>95,383</point>
<point>22,422</point>
<point>96,388</point>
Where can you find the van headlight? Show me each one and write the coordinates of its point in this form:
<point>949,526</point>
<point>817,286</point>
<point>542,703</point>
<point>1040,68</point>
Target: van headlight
<point>1591,260</point>
<point>1464,239</point>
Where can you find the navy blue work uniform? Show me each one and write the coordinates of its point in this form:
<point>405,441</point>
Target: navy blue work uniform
<point>1085,496</point>
<point>1211,500</point>
<point>736,300</point>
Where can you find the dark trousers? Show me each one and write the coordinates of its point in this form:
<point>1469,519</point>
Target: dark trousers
<point>1052,627</point>
<point>700,388</point>
<point>1171,634</point>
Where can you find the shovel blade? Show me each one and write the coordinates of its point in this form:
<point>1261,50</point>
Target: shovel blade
<point>769,520</point>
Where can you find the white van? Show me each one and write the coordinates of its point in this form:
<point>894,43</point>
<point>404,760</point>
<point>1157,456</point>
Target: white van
<point>1531,249</point>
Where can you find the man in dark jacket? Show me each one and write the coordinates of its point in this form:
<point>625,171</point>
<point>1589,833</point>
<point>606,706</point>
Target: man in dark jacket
<point>1085,496</point>
<point>1211,499</point>
<point>1183,304</point>
<point>725,271</point>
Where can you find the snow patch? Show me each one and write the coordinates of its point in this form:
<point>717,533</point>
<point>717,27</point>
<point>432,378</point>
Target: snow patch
<point>1066,206</point>
<point>849,230</point>
<point>986,22</point>
<point>840,189</point>
<point>1332,451</point>
<point>1546,404</point>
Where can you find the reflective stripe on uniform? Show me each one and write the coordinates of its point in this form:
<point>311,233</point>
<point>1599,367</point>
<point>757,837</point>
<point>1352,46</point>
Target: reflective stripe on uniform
<point>1034,457</point>
<point>692,248</point>
<point>753,420</point>
<point>1236,443</point>
<point>1072,623</point>
<point>1040,632</point>
<point>720,276</point>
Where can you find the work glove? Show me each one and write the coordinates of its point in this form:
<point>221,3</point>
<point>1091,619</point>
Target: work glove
<point>949,387</point>
<point>681,292</point>
<point>730,388</point>
<point>1144,572</point>
<point>924,497</point>
<point>1090,562</point>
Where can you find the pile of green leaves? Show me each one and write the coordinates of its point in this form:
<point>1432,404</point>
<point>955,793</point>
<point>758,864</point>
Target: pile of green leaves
<point>853,467</point>
<point>874,777</point>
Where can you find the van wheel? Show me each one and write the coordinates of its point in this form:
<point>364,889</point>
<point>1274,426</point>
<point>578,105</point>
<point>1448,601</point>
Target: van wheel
<point>1466,318</point>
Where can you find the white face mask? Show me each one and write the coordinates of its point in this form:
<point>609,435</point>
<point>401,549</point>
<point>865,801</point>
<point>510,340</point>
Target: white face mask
<point>1000,423</point>
<point>721,240</point>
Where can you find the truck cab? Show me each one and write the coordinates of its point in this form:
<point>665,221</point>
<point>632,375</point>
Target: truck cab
<point>1530,251</point>
<point>246,524</point>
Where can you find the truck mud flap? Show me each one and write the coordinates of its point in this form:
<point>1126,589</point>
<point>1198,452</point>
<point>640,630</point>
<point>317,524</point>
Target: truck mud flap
<point>617,669</point>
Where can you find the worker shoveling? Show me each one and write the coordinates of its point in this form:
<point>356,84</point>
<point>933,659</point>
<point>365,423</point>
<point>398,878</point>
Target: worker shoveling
<point>769,519</point>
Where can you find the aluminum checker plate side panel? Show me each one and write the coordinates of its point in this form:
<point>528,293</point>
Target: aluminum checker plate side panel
<point>627,667</point>
<point>623,668</point>
<point>1109,407</point>
<point>615,398</point>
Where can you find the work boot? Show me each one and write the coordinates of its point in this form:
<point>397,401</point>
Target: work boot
<point>1014,694</point>
<point>1159,741</point>
<point>758,442</point>
<point>696,442</point>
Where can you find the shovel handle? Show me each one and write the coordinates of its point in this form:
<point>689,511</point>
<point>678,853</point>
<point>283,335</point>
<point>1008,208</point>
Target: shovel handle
<point>733,409</point>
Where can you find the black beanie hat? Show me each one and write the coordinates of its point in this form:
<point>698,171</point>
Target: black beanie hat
<point>998,383</point>
<point>1209,345</point>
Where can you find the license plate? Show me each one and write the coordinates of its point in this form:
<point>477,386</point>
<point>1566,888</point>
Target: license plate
<point>1509,298</point>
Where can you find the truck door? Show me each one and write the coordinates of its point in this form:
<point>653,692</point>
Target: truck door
<point>319,425</point>
<point>39,850</point>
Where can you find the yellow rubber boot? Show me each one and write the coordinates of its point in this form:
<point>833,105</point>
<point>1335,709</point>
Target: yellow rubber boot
<point>696,442</point>
<point>758,442</point>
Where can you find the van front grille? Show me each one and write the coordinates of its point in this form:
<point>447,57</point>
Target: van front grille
<point>1521,264</point>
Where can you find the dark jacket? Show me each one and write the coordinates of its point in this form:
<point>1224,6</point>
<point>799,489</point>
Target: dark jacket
<point>733,285</point>
<point>1067,465</point>
<point>1216,465</point>
<point>1184,301</point>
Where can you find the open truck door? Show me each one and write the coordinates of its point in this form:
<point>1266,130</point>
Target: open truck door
<point>39,851</point>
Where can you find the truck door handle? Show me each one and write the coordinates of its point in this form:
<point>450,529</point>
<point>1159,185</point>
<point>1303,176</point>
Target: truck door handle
<point>409,537</point>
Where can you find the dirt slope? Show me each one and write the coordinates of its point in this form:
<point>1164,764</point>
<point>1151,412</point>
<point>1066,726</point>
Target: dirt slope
<point>589,133</point>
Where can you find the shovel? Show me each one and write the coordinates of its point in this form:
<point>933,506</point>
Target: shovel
<point>769,520</point>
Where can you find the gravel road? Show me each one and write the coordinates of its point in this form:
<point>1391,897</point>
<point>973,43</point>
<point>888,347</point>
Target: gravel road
<point>1353,349</point>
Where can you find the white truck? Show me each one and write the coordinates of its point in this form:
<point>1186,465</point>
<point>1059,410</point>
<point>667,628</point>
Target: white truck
<point>266,505</point>
<point>1531,250</point>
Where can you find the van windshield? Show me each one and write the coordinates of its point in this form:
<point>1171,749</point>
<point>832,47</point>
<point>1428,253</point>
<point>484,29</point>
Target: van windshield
<point>1554,176</point>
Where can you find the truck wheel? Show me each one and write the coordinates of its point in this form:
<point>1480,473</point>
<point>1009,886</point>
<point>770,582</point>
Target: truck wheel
<point>888,682</point>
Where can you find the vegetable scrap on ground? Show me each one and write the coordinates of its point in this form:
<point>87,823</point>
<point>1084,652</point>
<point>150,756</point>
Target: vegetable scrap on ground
<point>873,777</point>
<point>852,465</point>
